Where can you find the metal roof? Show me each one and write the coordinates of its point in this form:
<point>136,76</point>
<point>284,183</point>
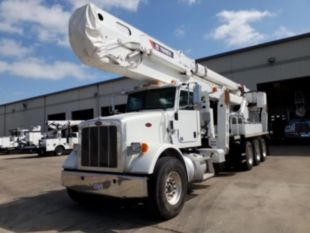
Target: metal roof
<point>259,46</point>
<point>66,90</point>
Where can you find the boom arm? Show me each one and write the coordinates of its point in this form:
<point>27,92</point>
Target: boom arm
<point>106,42</point>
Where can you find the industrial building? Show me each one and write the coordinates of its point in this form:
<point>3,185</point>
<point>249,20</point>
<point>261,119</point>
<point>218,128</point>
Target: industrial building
<point>281,68</point>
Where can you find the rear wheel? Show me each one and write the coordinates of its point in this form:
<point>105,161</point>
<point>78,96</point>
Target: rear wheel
<point>263,148</point>
<point>249,154</point>
<point>257,152</point>
<point>168,187</point>
<point>59,150</point>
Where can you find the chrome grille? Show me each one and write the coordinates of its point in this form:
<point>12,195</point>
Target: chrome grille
<point>99,147</point>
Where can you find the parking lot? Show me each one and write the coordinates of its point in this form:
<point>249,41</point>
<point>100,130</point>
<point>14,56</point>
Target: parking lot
<point>273,197</point>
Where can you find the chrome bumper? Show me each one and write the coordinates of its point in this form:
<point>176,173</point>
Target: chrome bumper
<point>106,184</point>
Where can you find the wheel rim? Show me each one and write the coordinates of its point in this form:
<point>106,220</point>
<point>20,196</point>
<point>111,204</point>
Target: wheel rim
<point>249,154</point>
<point>173,188</point>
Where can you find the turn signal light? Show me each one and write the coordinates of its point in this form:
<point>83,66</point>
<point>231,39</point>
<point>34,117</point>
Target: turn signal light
<point>144,147</point>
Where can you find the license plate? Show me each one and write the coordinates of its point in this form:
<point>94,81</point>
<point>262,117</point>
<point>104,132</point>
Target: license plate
<point>98,186</point>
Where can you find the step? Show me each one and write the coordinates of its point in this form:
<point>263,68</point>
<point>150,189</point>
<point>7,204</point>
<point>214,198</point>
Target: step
<point>207,176</point>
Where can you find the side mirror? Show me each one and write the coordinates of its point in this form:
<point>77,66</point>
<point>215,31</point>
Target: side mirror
<point>197,95</point>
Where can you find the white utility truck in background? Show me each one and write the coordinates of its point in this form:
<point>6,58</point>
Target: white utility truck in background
<point>20,138</point>
<point>30,140</point>
<point>60,137</point>
<point>182,123</point>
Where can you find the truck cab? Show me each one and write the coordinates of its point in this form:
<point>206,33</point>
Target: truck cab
<point>160,123</point>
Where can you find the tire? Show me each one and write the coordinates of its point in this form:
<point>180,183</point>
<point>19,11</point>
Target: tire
<point>263,149</point>
<point>249,153</point>
<point>59,150</point>
<point>257,152</point>
<point>168,188</point>
<point>41,152</point>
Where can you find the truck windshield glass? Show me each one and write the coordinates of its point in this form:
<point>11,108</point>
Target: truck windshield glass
<point>151,99</point>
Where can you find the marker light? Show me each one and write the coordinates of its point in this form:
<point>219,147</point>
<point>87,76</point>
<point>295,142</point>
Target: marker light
<point>144,147</point>
<point>214,89</point>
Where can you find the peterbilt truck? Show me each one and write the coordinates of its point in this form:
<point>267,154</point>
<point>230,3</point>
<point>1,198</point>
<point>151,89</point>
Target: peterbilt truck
<point>183,122</point>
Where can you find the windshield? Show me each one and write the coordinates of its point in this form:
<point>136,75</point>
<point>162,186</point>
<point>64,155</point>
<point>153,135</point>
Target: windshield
<point>151,99</point>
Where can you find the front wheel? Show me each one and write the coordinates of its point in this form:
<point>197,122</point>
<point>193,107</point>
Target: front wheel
<point>59,150</point>
<point>168,187</point>
<point>41,152</point>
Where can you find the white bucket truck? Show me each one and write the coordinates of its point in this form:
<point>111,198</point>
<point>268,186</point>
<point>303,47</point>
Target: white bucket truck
<point>19,138</point>
<point>30,140</point>
<point>184,122</point>
<point>60,137</point>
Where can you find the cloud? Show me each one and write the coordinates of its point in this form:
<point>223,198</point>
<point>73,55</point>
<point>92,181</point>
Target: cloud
<point>34,68</point>
<point>236,28</point>
<point>11,48</point>
<point>180,32</point>
<point>7,27</point>
<point>17,16</point>
<point>190,2</point>
<point>130,5</point>
<point>49,22</point>
<point>283,32</point>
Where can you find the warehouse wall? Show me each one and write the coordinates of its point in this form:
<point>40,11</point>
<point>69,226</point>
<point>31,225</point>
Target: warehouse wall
<point>35,111</point>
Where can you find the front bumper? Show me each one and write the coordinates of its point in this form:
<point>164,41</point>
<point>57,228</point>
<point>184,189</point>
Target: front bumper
<point>121,186</point>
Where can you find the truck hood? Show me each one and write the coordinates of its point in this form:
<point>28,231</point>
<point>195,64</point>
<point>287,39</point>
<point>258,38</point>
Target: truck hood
<point>143,126</point>
<point>129,117</point>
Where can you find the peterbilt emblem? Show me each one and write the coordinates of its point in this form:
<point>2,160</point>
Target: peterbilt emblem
<point>148,124</point>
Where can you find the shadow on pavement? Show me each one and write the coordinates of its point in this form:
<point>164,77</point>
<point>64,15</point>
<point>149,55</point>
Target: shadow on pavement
<point>34,156</point>
<point>25,157</point>
<point>55,211</point>
<point>290,150</point>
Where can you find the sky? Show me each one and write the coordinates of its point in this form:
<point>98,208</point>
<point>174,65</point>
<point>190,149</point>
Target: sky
<point>36,58</point>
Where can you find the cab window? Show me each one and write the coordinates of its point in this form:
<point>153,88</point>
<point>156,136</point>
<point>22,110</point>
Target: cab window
<point>186,100</point>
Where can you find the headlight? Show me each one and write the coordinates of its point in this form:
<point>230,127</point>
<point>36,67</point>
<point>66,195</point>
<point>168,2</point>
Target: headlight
<point>138,148</point>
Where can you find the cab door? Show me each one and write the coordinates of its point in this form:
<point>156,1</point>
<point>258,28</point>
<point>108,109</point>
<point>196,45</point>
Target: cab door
<point>187,122</point>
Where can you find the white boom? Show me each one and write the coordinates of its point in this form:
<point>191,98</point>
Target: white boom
<point>106,42</point>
